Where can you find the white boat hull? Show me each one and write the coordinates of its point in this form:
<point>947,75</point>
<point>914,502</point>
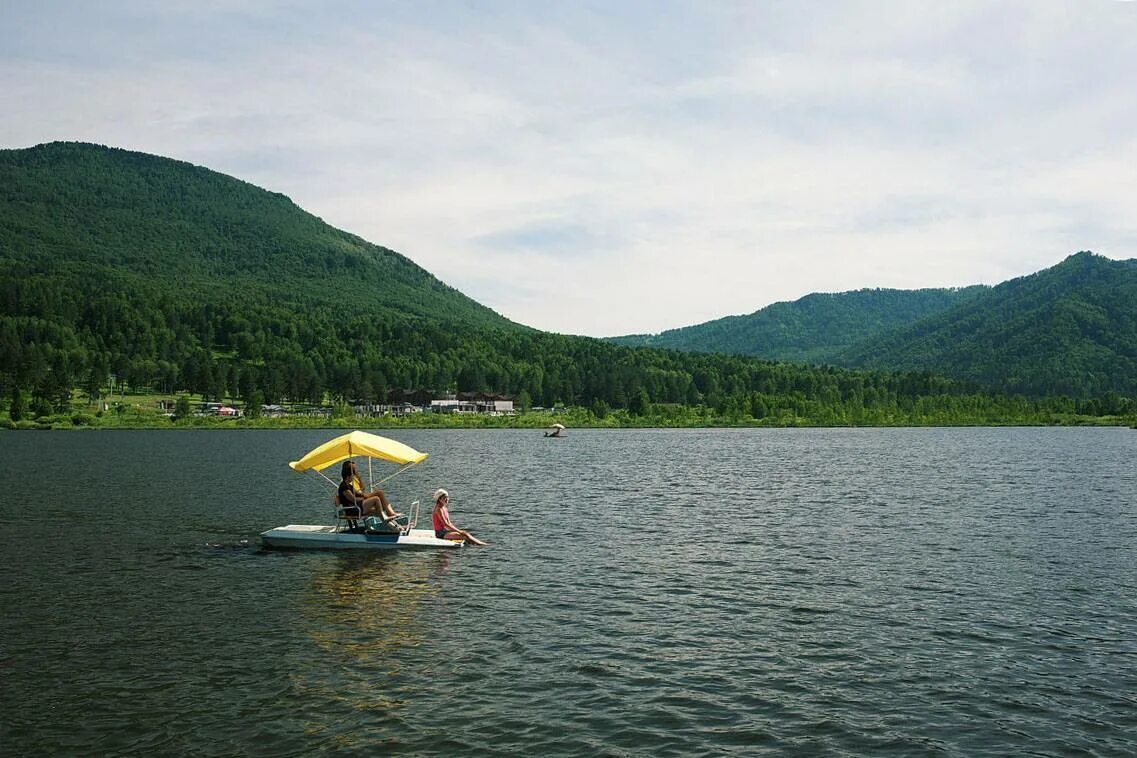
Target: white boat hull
<point>312,536</point>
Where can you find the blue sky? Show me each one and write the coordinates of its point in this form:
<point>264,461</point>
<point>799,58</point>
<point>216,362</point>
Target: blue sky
<point>616,167</point>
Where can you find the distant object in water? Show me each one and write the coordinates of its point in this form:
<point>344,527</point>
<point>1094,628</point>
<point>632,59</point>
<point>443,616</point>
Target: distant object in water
<point>556,430</point>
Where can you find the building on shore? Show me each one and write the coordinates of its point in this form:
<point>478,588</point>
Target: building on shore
<point>401,403</point>
<point>474,402</point>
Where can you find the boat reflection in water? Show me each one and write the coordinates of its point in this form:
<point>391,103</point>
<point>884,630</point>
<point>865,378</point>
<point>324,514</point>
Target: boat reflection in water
<point>369,604</point>
<point>364,611</point>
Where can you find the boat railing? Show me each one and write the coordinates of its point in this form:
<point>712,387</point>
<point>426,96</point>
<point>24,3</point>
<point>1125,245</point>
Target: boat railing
<point>412,515</point>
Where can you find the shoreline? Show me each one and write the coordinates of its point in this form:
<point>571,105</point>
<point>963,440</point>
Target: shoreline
<point>518,423</point>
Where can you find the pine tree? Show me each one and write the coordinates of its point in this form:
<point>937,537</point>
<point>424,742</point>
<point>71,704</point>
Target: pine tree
<point>18,408</point>
<point>253,405</point>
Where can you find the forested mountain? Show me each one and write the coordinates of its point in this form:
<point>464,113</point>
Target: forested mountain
<point>115,224</point>
<point>178,279</point>
<point>813,329</point>
<point>1068,330</point>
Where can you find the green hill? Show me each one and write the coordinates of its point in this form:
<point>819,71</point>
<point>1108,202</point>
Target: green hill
<point>813,329</point>
<point>1068,330</point>
<point>115,223</point>
<point>174,279</point>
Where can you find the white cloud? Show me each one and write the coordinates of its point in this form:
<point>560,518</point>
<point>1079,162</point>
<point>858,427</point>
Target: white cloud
<point>609,169</point>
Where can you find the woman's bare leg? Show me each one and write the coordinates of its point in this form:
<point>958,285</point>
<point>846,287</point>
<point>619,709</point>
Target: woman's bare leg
<point>462,534</point>
<point>388,509</point>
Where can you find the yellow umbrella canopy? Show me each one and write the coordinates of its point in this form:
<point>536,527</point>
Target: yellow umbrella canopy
<point>353,444</point>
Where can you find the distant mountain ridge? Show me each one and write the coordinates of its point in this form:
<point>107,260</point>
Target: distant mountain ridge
<point>813,329</point>
<point>1068,330</point>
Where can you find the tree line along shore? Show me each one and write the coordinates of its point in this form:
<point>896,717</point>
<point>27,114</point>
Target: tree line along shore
<point>761,410</point>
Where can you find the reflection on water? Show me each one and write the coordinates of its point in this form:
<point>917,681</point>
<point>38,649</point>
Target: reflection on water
<point>365,614</point>
<point>702,592</point>
<point>368,607</point>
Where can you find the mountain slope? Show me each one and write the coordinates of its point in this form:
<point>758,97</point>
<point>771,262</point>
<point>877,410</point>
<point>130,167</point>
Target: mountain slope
<point>1070,329</point>
<point>173,278</point>
<point>176,279</point>
<point>813,329</point>
<point>102,220</point>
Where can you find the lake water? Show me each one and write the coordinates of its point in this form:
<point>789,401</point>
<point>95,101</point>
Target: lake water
<point>846,591</point>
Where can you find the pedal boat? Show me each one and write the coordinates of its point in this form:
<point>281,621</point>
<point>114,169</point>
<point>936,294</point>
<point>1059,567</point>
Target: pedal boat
<point>347,533</point>
<point>327,537</point>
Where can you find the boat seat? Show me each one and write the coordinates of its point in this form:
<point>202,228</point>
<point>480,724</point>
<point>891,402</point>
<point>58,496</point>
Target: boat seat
<point>349,513</point>
<point>353,515</point>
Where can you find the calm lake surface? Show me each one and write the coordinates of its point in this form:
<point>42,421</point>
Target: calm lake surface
<point>690,592</point>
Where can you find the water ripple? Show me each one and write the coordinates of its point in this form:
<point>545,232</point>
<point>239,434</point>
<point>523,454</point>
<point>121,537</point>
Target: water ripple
<point>848,592</point>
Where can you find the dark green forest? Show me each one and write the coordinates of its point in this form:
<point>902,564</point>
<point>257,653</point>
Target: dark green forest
<point>1068,330</point>
<point>813,329</point>
<point>177,279</point>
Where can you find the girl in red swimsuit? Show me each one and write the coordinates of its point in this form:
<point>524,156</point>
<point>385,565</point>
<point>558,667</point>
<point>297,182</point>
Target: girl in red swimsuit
<point>444,528</point>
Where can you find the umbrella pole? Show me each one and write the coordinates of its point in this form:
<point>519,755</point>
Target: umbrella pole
<point>392,476</point>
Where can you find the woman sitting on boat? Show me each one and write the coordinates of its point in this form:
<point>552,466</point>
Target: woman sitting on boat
<point>372,503</point>
<point>444,528</point>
